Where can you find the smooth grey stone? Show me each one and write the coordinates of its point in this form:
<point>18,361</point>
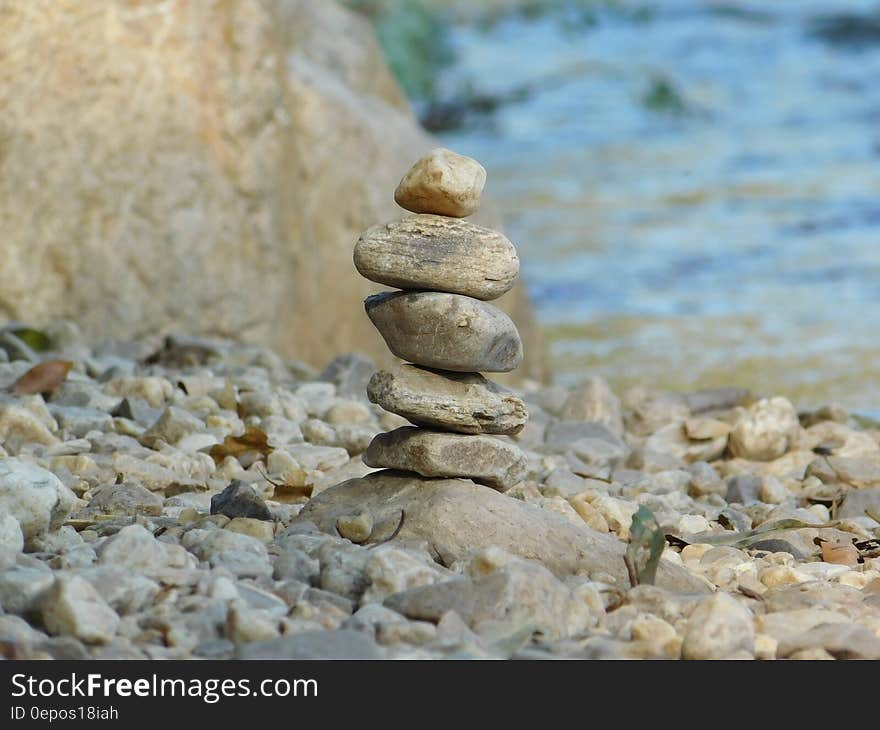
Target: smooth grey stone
<point>457,517</point>
<point>242,564</point>
<point>704,480</point>
<point>240,500</point>
<point>734,518</point>
<point>318,597</point>
<point>778,546</point>
<point>842,641</point>
<point>484,459</point>
<point>215,649</point>
<point>743,488</point>
<point>461,402</point>
<point>858,472</point>
<point>561,436</point>
<point>341,644</point>
<point>63,648</point>
<point>856,501</point>
<point>435,253</point>
<point>137,410</point>
<point>78,421</point>
<point>446,331</point>
<point>22,589</point>
<point>126,498</point>
<point>295,564</point>
<point>518,594</point>
<point>350,373</point>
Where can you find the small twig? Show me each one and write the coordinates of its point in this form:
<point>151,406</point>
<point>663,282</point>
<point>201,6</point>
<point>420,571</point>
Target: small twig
<point>746,591</point>
<point>393,534</point>
<point>266,477</point>
<point>631,570</point>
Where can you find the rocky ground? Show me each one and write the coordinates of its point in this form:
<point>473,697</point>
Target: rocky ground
<point>172,499</point>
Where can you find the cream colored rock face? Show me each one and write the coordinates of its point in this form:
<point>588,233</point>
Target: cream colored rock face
<point>444,183</point>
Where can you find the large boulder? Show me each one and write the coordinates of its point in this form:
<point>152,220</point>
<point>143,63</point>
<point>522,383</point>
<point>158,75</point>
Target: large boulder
<point>201,166</point>
<point>458,518</point>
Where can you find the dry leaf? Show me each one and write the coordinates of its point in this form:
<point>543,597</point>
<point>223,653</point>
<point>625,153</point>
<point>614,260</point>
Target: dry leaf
<point>253,439</point>
<point>42,378</point>
<point>841,553</point>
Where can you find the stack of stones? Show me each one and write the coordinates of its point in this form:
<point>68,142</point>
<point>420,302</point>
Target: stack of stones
<point>442,326</point>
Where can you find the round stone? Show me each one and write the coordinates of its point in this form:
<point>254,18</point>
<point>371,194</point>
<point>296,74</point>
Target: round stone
<point>444,183</point>
<point>438,254</point>
<point>446,331</point>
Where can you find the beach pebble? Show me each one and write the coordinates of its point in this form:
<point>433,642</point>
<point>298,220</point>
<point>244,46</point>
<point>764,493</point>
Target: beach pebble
<point>444,183</point>
<point>765,430</point>
<point>35,497</point>
<point>485,459</point>
<point>461,402</point>
<point>72,607</point>
<point>719,628</point>
<point>429,252</point>
<point>446,331</point>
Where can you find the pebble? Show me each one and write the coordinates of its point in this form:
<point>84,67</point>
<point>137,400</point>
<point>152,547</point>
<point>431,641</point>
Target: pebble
<point>484,459</point>
<point>73,607</point>
<point>519,595</point>
<point>475,336</point>
<point>434,253</point>
<point>23,588</point>
<point>350,373</point>
<point>593,400</point>
<point>262,530</point>
<point>704,480</point>
<point>460,402</point>
<point>444,183</point>
<point>240,500</point>
<point>18,426</point>
<point>840,640</point>
<point>340,644</point>
<point>125,499</point>
<point>11,537</point>
<point>171,427</point>
<point>35,497</point>
<point>765,430</point>
<point>719,628</point>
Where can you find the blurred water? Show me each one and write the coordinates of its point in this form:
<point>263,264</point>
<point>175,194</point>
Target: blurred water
<point>734,242</point>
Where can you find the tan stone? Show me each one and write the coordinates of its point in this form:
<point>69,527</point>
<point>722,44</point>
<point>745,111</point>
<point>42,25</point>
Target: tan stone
<point>438,254</point>
<point>444,183</point>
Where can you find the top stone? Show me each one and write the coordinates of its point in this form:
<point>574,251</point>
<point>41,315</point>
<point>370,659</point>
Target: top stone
<point>443,183</point>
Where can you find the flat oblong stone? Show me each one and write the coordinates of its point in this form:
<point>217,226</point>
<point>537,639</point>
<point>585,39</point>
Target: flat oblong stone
<point>461,402</point>
<point>484,459</point>
<point>446,331</point>
<point>444,183</point>
<point>438,254</point>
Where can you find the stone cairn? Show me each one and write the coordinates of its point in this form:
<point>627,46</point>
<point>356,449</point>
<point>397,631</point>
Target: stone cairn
<point>439,322</point>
